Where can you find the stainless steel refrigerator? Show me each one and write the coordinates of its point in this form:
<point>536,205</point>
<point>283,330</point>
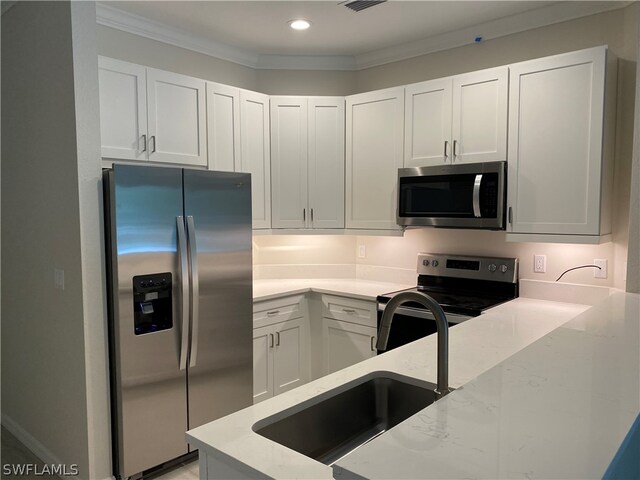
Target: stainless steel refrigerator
<point>180,306</point>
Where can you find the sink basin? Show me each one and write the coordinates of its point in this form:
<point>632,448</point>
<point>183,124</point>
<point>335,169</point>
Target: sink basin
<point>332,425</point>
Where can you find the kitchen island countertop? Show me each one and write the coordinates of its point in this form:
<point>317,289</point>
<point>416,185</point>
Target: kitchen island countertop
<point>536,401</point>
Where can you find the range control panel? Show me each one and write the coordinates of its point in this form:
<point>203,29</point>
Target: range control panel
<point>479,268</point>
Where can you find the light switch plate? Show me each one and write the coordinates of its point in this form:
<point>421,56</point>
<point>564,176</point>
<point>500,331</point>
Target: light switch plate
<point>539,263</point>
<point>602,271</point>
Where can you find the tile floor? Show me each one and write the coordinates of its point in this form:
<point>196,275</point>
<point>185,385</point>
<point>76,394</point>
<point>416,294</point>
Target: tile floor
<point>12,451</point>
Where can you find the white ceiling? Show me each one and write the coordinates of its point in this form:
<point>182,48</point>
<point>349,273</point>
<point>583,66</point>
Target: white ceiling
<point>255,32</point>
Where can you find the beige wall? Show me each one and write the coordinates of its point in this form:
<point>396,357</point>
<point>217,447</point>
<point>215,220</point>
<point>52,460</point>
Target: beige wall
<point>307,82</point>
<point>144,51</point>
<point>54,376</point>
<point>633,264</point>
<point>43,374</point>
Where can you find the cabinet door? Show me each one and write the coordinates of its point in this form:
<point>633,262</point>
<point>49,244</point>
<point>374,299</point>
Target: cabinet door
<point>123,109</point>
<point>326,162</point>
<point>288,363</point>
<point>176,105</point>
<point>263,344</point>
<point>480,116</point>
<point>427,126</point>
<point>555,147</point>
<point>345,344</point>
<point>223,127</point>
<point>374,152</point>
<point>254,157</point>
<point>289,162</point>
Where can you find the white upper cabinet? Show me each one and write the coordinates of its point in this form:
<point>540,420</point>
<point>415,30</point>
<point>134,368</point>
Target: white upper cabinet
<point>556,170</point>
<point>255,156</point>
<point>428,123</point>
<point>176,106</point>
<point>148,114</point>
<point>123,109</point>
<point>326,161</point>
<point>289,162</point>
<point>461,119</point>
<point>374,152</point>
<point>223,127</point>
<point>307,162</point>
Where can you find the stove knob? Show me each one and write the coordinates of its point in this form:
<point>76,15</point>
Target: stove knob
<point>503,268</point>
<point>492,267</point>
<point>434,263</point>
<point>425,263</point>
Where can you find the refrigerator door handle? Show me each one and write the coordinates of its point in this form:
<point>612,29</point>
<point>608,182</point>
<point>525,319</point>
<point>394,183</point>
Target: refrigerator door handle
<point>195,290</point>
<point>184,292</point>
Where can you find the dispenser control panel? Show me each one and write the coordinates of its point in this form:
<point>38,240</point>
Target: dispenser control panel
<point>152,303</point>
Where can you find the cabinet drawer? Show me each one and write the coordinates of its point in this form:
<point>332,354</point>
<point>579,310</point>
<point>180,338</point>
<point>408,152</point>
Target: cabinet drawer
<point>279,310</point>
<point>350,310</point>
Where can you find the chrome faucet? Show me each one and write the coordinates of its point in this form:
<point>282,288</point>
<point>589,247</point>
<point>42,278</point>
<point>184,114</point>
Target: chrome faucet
<point>441,323</point>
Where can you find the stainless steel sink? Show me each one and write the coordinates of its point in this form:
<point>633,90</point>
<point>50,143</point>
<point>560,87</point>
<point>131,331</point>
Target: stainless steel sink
<point>332,425</point>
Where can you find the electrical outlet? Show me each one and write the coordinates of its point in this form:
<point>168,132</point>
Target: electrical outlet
<point>58,278</point>
<point>362,251</point>
<point>540,263</point>
<point>602,271</point>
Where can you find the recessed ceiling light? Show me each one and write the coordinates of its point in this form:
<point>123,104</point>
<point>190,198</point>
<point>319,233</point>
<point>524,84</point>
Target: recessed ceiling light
<point>299,24</point>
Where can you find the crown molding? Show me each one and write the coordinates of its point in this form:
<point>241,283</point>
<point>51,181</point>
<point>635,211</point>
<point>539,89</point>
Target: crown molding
<point>141,26</point>
<point>6,5</point>
<point>138,25</point>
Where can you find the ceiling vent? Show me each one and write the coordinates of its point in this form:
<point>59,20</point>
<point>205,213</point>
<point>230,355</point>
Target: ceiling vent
<point>359,5</point>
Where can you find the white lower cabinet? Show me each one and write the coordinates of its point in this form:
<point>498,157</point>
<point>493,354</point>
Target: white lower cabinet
<point>346,343</point>
<point>280,348</point>
<point>349,332</point>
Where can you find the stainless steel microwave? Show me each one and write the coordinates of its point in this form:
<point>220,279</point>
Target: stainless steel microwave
<point>469,195</point>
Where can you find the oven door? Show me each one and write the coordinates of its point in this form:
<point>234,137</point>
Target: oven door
<point>411,324</point>
<point>460,196</point>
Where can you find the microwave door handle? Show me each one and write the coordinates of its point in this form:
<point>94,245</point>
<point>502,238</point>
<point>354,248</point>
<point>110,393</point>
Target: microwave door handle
<point>476,196</point>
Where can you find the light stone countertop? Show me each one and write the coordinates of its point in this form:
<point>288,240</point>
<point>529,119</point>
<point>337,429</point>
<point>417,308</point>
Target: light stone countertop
<point>537,413</point>
<point>360,289</point>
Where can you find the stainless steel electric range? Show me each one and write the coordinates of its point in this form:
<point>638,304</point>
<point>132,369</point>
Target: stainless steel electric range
<point>464,286</point>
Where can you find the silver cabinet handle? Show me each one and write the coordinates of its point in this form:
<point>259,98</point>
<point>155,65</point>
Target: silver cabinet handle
<point>195,290</point>
<point>373,344</point>
<point>304,214</point>
<point>348,310</point>
<point>144,143</point>
<point>153,139</point>
<point>476,196</point>
<point>277,339</point>
<point>446,145</point>
<point>510,215</point>
<point>455,144</point>
<point>272,313</point>
<point>184,292</point>
<point>312,215</point>
<point>271,339</point>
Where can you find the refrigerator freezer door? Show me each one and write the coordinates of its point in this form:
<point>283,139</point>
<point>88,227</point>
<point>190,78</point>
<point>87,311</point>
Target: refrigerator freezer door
<point>220,376</point>
<point>150,410</point>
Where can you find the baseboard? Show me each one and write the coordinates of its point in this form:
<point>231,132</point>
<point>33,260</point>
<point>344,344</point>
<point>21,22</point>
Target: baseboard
<point>37,448</point>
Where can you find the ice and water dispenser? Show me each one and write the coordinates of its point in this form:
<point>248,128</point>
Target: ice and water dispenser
<point>152,306</point>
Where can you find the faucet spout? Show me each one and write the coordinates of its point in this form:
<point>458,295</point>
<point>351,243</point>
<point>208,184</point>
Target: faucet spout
<point>441,323</point>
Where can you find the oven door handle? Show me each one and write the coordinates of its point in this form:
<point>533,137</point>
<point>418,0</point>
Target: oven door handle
<point>476,196</point>
<point>452,318</point>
